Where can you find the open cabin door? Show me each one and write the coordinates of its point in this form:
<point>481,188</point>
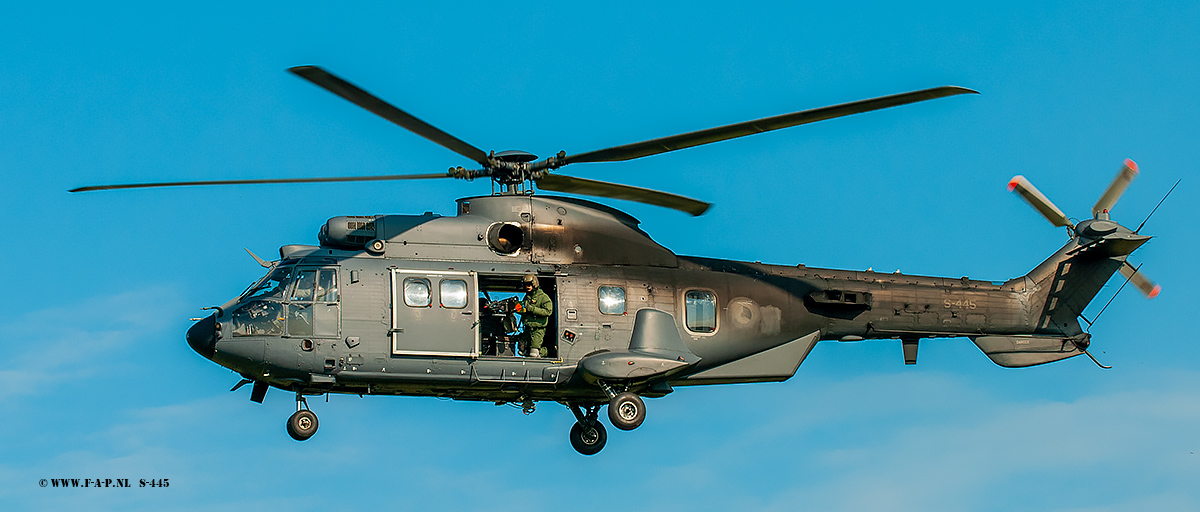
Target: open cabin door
<point>434,313</point>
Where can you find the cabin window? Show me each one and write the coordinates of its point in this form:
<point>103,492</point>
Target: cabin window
<point>612,300</point>
<point>416,292</point>
<point>700,311</point>
<point>453,293</point>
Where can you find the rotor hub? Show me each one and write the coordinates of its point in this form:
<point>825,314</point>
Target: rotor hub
<point>514,155</point>
<point>1096,228</point>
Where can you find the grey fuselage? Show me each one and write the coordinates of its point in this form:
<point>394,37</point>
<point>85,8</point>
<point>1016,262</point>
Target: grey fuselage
<point>738,321</point>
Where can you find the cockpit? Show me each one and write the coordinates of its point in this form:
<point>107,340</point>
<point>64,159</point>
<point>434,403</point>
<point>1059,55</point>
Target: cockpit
<point>271,285</point>
<point>291,300</point>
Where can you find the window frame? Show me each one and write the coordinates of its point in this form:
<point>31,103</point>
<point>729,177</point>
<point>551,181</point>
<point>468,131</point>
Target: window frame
<point>336,288</point>
<point>284,290</point>
<point>275,307</point>
<point>428,290</point>
<point>624,300</point>
<point>716,312</point>
<point>295,286</point>
<point>442,295</point>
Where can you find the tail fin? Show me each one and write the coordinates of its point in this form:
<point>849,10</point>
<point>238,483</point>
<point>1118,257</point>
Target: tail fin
<point>1058,290</point>
<point>1066,283</point>
<point>1061,287</point>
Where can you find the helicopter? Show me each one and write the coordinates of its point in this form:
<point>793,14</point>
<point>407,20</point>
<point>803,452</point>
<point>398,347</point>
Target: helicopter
<point>427,305</point>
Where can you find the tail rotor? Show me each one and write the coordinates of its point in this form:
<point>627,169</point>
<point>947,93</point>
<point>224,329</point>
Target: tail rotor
<point>1099,229</point>
<point>1147,287</point>
<point>1110,196</point>
<point>1039,202</point>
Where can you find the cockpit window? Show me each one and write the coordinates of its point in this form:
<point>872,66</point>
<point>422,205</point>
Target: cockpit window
<point>259,318</point>
<point>298,302</point>
<point>271,287</point>
<point>327,290</point>
<point>306,280</point>
<point>315,285</point>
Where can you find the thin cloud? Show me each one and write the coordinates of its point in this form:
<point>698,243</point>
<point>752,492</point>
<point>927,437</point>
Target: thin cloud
<point>65,345</point>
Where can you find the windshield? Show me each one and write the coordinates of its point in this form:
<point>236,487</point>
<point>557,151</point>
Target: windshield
<point>270,287</point>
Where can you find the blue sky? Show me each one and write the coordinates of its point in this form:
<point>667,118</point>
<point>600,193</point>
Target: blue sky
<point>100,383</point>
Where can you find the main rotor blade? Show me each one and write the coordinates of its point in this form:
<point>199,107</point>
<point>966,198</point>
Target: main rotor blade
<point>733,131</point>
<point>1038,201</point>
<point>385,110</point>
<point>1148,288</point>
<point>1118,186</point>
<point>264,181</point>
<point>559,183</point>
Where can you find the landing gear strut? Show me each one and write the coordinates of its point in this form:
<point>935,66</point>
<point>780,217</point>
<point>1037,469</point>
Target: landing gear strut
<point>303,423</point>
<point>626,410</point>
<point>587,434</point>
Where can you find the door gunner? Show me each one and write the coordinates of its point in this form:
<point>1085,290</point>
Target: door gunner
<point>535,310</point>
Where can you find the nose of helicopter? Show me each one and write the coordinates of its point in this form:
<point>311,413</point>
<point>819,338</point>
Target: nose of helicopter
<point>203,336</point>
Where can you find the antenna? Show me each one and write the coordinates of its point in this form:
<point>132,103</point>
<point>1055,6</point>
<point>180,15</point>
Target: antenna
<point>1160,202</point>
<point>1110,300</point>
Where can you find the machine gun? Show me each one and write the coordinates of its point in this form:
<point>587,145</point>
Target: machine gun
<point>504,307</point>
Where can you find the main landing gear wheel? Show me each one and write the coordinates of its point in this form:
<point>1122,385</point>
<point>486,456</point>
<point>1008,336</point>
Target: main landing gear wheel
<point>303,423</point>
<point>588,439</point>
<point>626,411</point>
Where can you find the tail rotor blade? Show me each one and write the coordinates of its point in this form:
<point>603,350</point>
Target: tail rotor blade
<point>1039,201</point>
<point>1147,287</point>
<point>1113,194</point>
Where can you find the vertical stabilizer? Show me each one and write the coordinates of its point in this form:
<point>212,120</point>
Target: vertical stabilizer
<point>1062,286</point>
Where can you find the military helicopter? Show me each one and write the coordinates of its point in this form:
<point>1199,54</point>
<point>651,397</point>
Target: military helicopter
<point>408,304</point>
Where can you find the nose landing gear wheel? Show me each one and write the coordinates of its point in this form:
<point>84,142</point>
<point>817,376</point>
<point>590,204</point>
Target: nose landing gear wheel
<point>588,439</point>
<point>626,411</point>
<point>302,425</point>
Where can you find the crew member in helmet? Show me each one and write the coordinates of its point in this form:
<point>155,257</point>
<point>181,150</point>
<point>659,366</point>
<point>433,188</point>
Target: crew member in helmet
<point>535,310</point>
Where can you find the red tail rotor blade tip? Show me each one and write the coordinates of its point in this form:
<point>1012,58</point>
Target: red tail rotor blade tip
<point>1131,164</point>
<point>1154,293</point>
<point>1012,184</point>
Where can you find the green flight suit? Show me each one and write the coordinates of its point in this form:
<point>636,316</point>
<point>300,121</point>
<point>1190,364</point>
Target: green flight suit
<point>536,309</point>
